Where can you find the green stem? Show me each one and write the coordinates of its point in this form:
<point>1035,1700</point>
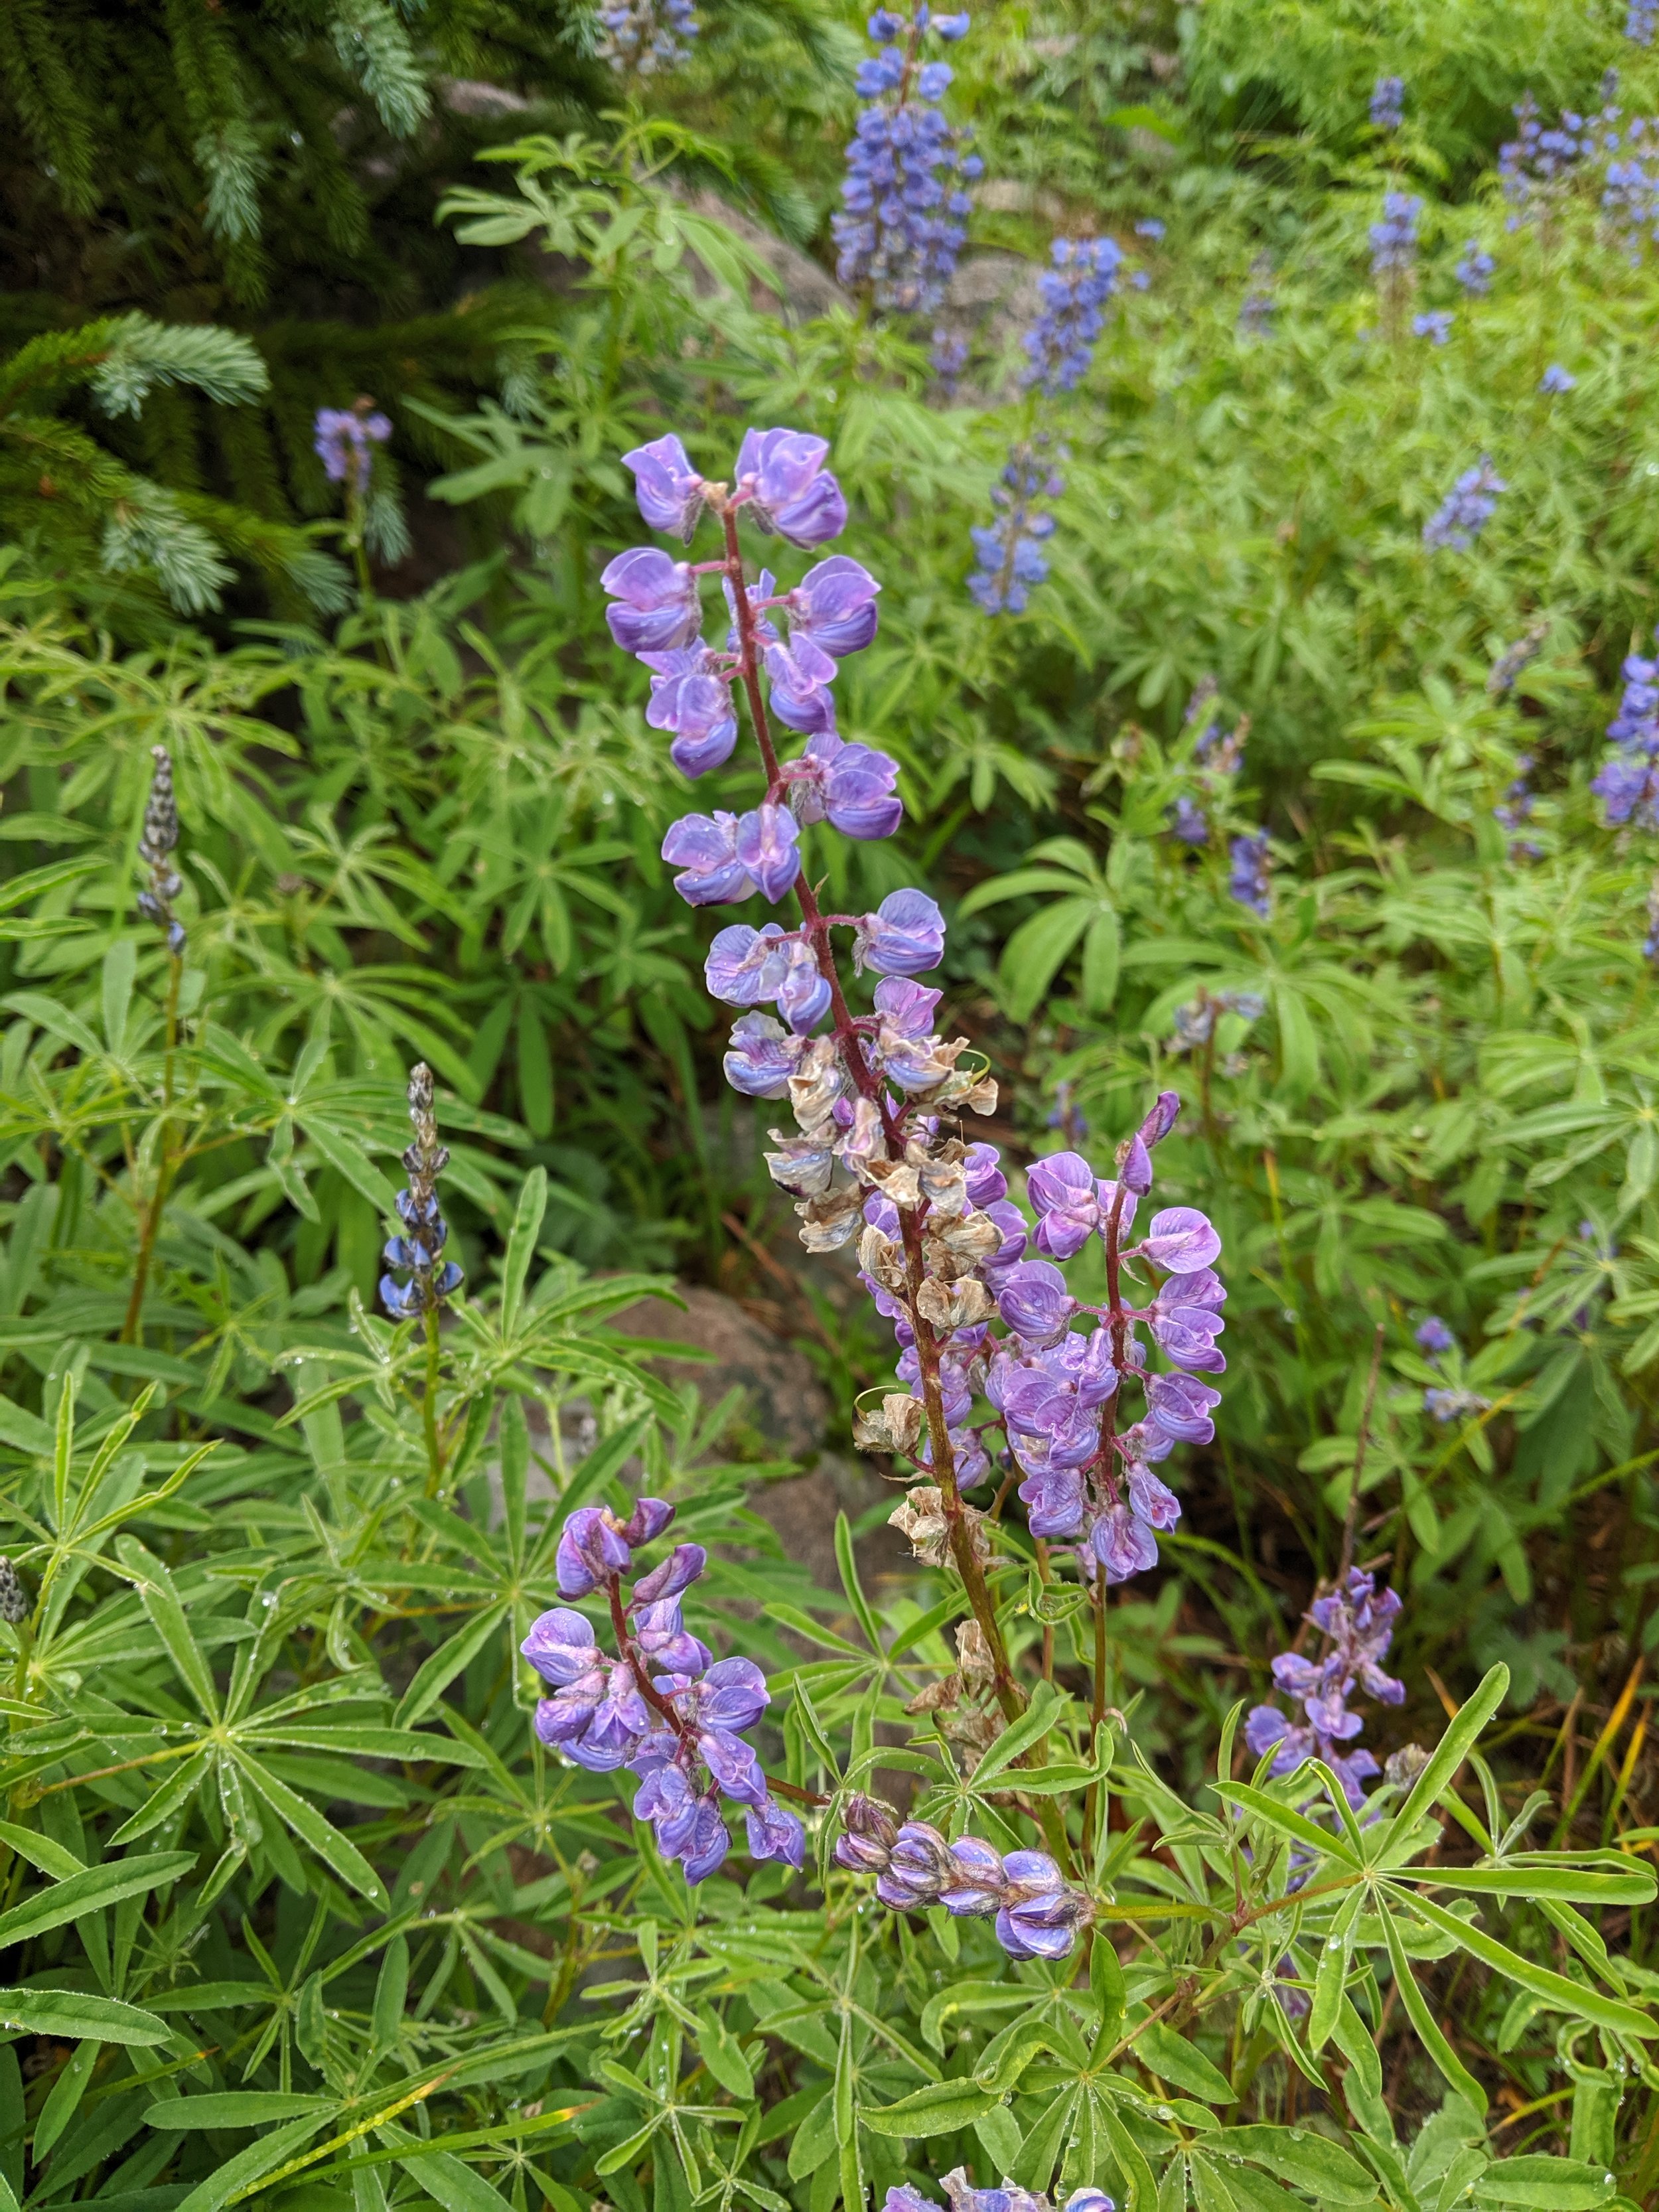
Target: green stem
<point>152,1214</point>
<point>434,1450</point>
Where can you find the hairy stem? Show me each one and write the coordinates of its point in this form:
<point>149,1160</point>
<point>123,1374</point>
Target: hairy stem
<point>434,1450</point>
<point>151,1219</point>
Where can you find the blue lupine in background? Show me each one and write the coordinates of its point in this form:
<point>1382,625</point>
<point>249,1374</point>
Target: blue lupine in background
<point>1434,324</point>
<point>1009,551</point>
<point>1388,103</point>
<point>1556,378</point>
<point>1467,509</point>
<point>1474,268</point>
<point>1074,291</point>
<point>1250,880</point>
<point>647,36</point>
<point>903,221</point>
<point>1628,781</point>
<point>1356,1622</point>
<point>417,1249</point>
<point>1393,239</point>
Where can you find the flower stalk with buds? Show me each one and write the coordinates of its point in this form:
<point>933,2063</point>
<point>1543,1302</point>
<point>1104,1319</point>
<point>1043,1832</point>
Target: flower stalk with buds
<point>157,843</point>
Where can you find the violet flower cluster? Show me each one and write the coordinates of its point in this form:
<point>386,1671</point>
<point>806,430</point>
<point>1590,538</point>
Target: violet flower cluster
<point>1627,783</point>
<point>1194,1024</point>
<point>1534,167</point>
<point>1515,658</point>
<point>963,2197</point>
<point>1393,240</point>
<point>901,223</point>
<point>1467,509</point>
<point>1055,1385</point>
<point>1356,1622</point>
<point>417,1249</point>
<point>1474,269</point>
<point>344,439</point>
<point>157,843</point>
<point>1037,1912</point>
<point>1514,811</point>
<point>1218,756</point>
<point>1434,324</point>
<point>1074,292</point>
<point>1009,551</point>
<point>1388,103</point>
<point>1250,877</point>
<point>1639,19</point>
<point>1630,183</point>
<point>662,1706</point>
<point>1445,1402</point>
<point>647,36</point>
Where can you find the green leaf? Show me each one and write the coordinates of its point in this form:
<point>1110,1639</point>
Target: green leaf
<point>439,1669</point>
<point>161,1601</point>
<point>852,1585</point>
<point>249,2166</point>
<point>1285,1820</point>
<point>1448,1754</point>
<point>335,1850</point>
<point>236,2108</point>
<point>1304,2158</point>
<point>1549,2185</point>
<point>1047,1707</point>
<point>1568,1995</point>
<point>90,1892</point>
<point>939,2108</point>
<point>1526,1877</point>
<point>75,2016</point>
<point>1102,949</point>
<point>521,1247</point>
<point>1422,2019</point>
<point>1033,955</point>
<point>452,2183</point>
<point>1172,2059</point>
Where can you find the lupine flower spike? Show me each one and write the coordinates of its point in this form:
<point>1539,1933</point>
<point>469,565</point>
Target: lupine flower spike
<point>1037,1914</point>
<point>1467,509</point>
<point>1388,103</point>
<point>418,1250</point>
<point>904,214</point>
<point>156,847</point>
<point>1628,782</point>
<point>875,1100</point>
<point>647,36</point>
<point>1517,658</point>
<point>664,1706</point>
<point>964,2197</point>
<point>1474,269</point>
<point>1009,551</point>
<point>1357,1623</point>
<point>345,441</point>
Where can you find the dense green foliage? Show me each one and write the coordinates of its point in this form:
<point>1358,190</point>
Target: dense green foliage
<point>297,1910</point>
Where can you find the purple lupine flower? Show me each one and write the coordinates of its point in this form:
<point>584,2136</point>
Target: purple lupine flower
<point>1474,269</point>
<point>1393,240</point>
<point>781,479</point>
<point>1628,780</point>
<point>1075,294</point>
<point>722,857</point>
<point>1063,1191</point>
<point>704,848</point>
<point>766,847</point>
<point>904,936</point>
<point>1149,226</point>
<point>1433,1335</point>
<point>1356,1622</point>
<point>592,1549</point>
<point>901,225</point>
<point>762,1057</point>
<point>419,1248</point>
<point>746,967</point>
<point>834,605</point>
<point>668,489</point>
<point>1536,166</point>
<point>802,994</point>
<point>689,697</point>
<point>1435,324</point>
<point>1454,1405</point>
<point>774,1832</point>
<point>658,610</point>
<point>344,439</point>
<point>1035,1302</point>
<point>1640,17</point>
<point>1556,378</point>
<point>1248,881</point>
<point>1042,1913</point>
<point>1009,550</point>
<point>1188,822</point>
<point>1467,508</point>
<point>851,786</point>
<point>1388,103</point>
<point>645,36</point>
